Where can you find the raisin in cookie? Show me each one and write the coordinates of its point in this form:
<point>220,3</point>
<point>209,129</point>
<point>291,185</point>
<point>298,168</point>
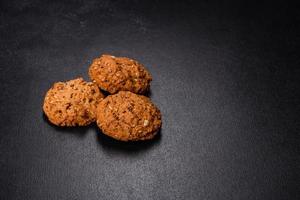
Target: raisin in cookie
<point>128,117</point>
<point>114,74</point>
<point>72,103</point>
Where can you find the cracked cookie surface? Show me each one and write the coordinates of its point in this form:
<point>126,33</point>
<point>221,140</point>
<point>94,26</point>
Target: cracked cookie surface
<point>127,116</point>
<point>72,103</point>
<point>114,74</point>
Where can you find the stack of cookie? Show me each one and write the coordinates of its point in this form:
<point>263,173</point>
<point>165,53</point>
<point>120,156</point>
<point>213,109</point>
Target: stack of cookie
<point>124,115</point>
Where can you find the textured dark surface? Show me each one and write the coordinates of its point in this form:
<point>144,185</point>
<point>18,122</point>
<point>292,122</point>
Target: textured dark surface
<point>224,78</point>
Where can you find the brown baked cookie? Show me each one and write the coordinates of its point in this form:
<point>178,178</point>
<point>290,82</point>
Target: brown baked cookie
<point>72,103</point>
<point>128,117</point>
<point>114,74</point>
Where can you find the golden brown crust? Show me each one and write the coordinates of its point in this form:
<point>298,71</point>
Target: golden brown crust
<point>72,103</point>
<point>114,74</point>
<point>128,117</point>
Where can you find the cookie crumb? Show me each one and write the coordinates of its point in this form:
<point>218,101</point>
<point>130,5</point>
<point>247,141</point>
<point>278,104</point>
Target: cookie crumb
<point>146,122</point>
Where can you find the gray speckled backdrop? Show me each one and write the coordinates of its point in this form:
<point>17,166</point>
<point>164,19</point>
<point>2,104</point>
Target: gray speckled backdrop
<point>224,78</point>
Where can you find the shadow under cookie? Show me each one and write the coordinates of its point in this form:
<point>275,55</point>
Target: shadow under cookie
<point>131,147</point>
<point>147,93</point>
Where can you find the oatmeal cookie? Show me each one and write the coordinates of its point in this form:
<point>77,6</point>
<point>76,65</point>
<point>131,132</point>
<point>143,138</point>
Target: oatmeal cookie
<point>72,103</point>
<point>114,74</point>
<point>128,117</point>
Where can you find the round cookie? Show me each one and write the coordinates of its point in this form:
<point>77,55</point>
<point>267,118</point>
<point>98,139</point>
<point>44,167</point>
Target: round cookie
<point>127,116</point>
<point>114,74</point>
<point>72,103</point>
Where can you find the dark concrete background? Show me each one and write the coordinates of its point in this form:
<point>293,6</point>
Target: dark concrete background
<point>225,78</point>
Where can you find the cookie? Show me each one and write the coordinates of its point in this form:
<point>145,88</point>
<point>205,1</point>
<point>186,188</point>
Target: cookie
<point>114,74</point>
<point>127,116</point>
<point>72,103</point>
